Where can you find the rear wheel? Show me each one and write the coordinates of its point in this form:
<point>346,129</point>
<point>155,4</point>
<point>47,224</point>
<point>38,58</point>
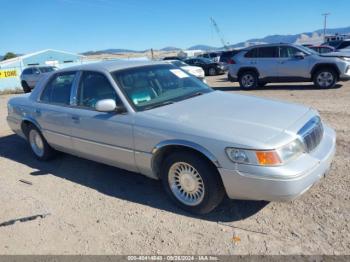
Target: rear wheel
<point>38,144</point>
<point>248,80</point>
<point>192,182</point>
<point>25,86</point>
<point>325,78</point>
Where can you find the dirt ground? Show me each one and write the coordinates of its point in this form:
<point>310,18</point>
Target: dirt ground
<point>97,209</point>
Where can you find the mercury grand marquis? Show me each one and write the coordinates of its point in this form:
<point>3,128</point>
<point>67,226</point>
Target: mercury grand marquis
<point>155,119</point>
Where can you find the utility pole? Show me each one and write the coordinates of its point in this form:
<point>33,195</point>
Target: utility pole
<point>325,25</point>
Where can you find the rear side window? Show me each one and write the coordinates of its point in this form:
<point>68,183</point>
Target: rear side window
<point>253,53</point>
<point>267,52</point>
<point>58,90</point>
<point>93,87</point>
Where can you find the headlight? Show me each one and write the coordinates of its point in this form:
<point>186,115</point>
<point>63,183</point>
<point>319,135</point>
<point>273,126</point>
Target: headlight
<point>266,157</point>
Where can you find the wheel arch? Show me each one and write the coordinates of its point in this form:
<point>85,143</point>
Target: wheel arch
<point>245,69</point>
<point>324,65</point>
<point>163,149</point>
<point>26,122</point>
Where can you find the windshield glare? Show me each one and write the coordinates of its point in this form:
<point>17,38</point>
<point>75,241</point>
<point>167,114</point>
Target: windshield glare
<point>150,86</point>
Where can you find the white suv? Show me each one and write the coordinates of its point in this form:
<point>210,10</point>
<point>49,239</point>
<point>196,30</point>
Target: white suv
<point>275,63</point>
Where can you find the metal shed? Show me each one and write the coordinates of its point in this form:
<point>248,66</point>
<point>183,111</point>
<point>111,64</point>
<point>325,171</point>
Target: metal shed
<point>11,69</point>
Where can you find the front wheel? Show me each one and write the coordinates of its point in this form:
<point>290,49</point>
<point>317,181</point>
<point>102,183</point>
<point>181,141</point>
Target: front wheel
<point>192,182</point>
<point>325,78</point>
<point>248,80</point>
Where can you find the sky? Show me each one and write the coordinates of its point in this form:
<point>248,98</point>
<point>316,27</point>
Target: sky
<point>83,25</point>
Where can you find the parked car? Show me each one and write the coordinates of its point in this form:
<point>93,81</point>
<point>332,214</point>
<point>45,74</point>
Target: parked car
<point>338,44</point>
<point>157,120</point>
<point>31,75</point>
<point>214,56</point>
<point>210,67</point>
<point>193,70</point>
<point>226,58</point>
<point>322,49</point>
<point>277,63</point>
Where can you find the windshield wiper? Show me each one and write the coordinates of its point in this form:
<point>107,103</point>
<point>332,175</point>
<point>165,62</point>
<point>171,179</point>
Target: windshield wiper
<point>159,105</point>
<point>194,94</point>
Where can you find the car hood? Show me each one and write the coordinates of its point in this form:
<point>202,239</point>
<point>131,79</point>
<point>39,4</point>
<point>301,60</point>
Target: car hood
<point>228,117</point>
<point>337,54</point>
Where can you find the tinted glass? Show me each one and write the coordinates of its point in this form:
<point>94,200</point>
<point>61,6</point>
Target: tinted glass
<point>58,90</point>
<point>93,87</point>
<point>288,51</point>
<point>267,52</point>
<point>151,86</point>
<point>46,69</point>
<point>252,53</point>
<point>344,44</point>
<point>27,71</point>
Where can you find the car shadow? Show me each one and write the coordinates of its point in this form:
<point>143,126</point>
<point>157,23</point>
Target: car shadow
<point>117,183</point>
<point>296,87</point>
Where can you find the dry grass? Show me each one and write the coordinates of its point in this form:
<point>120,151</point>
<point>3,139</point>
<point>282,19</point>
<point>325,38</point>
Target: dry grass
<point>11,91</point>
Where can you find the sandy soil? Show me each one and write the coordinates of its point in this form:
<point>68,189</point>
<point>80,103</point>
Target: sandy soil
<point>97,209</point>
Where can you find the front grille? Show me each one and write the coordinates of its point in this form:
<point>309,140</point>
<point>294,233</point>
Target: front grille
<point>312,133</point>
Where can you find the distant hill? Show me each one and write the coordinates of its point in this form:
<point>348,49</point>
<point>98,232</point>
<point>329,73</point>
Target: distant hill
<point>315,37</point>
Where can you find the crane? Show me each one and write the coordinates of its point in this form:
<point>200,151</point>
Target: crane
<point>217,29</point>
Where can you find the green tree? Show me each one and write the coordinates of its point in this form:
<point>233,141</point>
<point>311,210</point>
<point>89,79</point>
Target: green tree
<point>9,55</point>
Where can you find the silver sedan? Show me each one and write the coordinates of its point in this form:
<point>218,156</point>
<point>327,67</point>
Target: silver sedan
<point>157,120</point>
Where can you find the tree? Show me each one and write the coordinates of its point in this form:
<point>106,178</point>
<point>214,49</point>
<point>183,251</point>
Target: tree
<point>9,55</point>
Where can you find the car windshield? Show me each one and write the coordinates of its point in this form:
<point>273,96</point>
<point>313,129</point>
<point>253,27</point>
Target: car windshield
<point>179,63</point>
<point>153,86</point>
<point>46,69</point>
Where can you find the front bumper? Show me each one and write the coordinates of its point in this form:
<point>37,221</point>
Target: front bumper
<point>282,183</point>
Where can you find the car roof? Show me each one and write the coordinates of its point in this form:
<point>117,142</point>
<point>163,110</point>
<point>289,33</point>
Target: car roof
<point>111,65</point>
<point>268,45</point>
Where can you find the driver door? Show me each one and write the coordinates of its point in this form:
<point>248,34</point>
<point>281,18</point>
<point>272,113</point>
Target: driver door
<point>106,137</point>
<point>290,66</point>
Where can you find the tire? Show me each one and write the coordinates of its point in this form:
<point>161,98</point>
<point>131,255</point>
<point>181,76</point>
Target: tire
<point>212,71</point>
<point>38,144</point>
<point>325,78</point>
<point>25,86</point>
<point>248,80</point>
<point>194,175</point>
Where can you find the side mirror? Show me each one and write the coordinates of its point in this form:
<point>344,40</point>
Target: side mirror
<point>106,105</point>
<point>299,55</point>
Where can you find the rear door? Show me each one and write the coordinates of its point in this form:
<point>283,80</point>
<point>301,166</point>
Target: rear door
<point>103,136</point>
<point>53,110</point>
<point>266,61</point>
<point>289,66</point>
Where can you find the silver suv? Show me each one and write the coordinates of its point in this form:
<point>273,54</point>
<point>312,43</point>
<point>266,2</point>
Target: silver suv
<point>31,75</point>
<point>259,65</point>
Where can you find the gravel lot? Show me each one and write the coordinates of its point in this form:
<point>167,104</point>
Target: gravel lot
<point>97,209</point>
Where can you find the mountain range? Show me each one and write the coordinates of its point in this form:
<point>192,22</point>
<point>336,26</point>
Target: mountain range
<point>315,37</point>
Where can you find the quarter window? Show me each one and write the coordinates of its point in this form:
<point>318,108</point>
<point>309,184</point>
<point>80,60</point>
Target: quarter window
<point>93,87</point>
<point>253,53</point>
<point>58,90</point>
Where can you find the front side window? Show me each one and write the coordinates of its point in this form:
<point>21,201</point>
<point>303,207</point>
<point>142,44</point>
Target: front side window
<point>152,86</point>
<point>93,87</point>
<point>58,90</point>
<point>288,51</point>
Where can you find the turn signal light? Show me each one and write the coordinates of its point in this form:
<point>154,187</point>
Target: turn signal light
<point>268,158</point>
